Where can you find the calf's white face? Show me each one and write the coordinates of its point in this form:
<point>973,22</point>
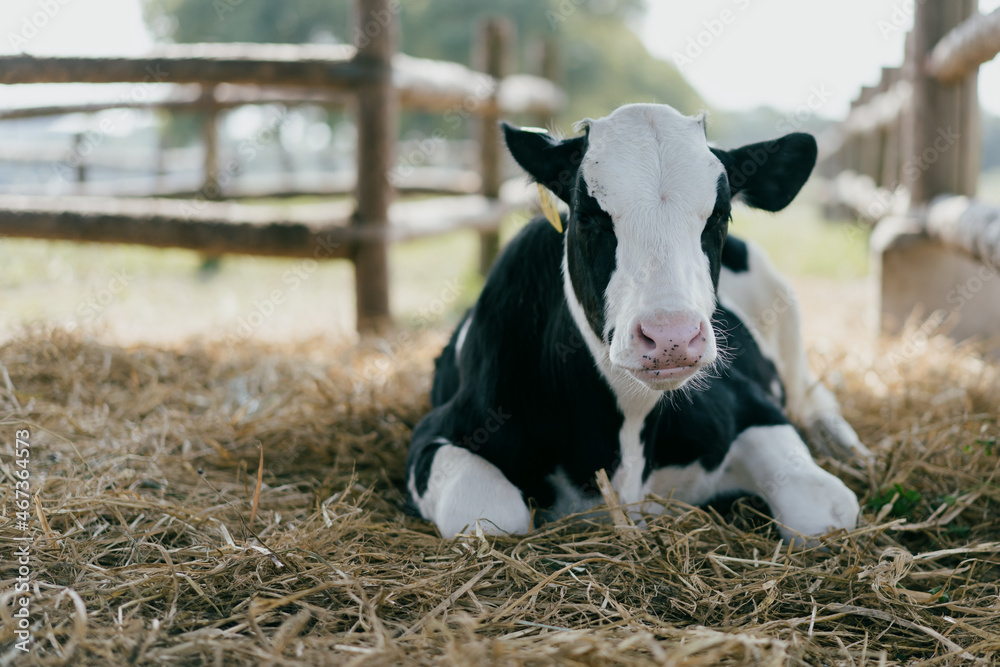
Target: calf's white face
<point>649,210</point>
<point>651,170</point>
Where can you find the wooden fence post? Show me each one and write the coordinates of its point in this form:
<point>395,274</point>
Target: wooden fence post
<point>161,150</point>
<point>889,176</point>
<point>210,137</point>
<point>940,155</point>
<point>850,150</point>
<point>495,38</point>
<point>869,145</point>
<point>943,125</point>
<point>81,165</point>
<point>881,134</point>
<point>210,185</point>
<point>377,122</point>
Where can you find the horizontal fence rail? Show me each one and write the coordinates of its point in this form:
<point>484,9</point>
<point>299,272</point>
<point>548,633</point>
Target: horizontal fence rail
<point>963,223</point>
<point>324,70</point>
<point>906,160</point>
<point>965,48</point>
<point>322,231</point>
<point>374,81</point>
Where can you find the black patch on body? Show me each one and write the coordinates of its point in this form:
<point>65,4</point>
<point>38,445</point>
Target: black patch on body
<point>524,356</point>
<point>713,236</point>
<point>701,425</point>
<point>735,255</point>
<point>591,244</point>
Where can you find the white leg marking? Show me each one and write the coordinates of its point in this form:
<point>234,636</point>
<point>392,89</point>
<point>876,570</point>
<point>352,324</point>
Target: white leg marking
<point>690,484</point>
<point>774,463</point>
<point>464,488</point>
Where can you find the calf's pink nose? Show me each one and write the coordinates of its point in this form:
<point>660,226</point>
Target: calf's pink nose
<point>674,341</point>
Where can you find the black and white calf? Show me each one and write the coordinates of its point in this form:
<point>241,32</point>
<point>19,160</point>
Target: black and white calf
<point>640,340</point>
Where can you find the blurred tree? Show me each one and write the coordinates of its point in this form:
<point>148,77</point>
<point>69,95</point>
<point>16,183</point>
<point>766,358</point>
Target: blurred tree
<point>604,64</point>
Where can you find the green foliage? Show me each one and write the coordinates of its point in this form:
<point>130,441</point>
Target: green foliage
<point>946,500</point>
<point>988,444</point>
<point>904,501</point>
<point>960,532</point>
<point>801,243</point>
<point>600,77</point>
<point>603,63</point>
<point>249,20</point>
<point>941,593</point>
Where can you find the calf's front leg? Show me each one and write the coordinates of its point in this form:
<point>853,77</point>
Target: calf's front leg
<point>463,488</point>
<point>774,463</point>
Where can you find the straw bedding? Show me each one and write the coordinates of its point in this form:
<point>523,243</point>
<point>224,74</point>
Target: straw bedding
<point>155,544</point>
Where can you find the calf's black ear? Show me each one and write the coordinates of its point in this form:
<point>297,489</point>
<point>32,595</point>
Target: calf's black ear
<point>549,161</point>
<point>769,174</point>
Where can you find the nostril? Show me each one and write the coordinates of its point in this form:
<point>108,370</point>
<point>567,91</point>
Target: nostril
<point>645,341</point>
<point>699,336</point>
<point>699,341</point>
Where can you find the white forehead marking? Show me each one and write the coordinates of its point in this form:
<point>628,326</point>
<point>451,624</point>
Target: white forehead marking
<point>650,161</point>
<point>651,169</point>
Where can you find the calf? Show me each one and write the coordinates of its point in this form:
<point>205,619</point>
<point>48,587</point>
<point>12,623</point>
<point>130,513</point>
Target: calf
<point>625,342</point>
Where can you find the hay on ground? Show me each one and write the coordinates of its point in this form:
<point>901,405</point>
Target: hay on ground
<point>154,545</point>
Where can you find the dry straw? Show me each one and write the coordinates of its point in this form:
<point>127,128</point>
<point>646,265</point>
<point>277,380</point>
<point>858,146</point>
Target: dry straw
<point>159,539</point>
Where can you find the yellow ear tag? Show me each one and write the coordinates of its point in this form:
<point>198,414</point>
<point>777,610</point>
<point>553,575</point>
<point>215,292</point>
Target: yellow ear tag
<point>548,203</point>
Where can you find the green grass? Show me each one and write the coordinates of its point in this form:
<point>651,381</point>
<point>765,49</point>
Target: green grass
<point>432,280</point>
<point>801,243</point>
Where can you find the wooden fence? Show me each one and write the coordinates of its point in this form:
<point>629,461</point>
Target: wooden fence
<point>907,160</point>
<point>374,78</point>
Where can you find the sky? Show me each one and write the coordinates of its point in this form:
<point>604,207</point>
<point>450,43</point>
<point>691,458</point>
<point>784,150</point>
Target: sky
<point>742,54</point>
<point>739,54</point>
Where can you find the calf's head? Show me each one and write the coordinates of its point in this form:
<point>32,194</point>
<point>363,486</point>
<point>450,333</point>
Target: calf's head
<point>649,207</point>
